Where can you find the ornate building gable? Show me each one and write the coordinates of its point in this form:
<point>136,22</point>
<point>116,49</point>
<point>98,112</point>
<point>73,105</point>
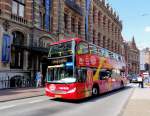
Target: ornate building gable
<point>132,45</point>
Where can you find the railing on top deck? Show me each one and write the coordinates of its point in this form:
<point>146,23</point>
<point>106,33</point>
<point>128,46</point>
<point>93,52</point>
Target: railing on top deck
<point>19,19</point>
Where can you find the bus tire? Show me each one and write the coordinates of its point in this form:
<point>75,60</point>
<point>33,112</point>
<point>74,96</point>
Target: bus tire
<point>95,91</point>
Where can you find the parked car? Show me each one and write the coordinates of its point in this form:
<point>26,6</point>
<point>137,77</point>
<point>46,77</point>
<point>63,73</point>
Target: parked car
<point>134,79</point>
<point>129,77</point>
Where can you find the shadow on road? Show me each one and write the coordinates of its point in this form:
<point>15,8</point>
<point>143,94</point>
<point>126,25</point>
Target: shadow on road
<point>93,99</point>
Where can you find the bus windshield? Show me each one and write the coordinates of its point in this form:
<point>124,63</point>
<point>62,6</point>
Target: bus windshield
<point>60,74</point>
<point>62,49</point>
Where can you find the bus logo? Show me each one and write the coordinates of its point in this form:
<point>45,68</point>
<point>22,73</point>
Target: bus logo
<point>52,87</point>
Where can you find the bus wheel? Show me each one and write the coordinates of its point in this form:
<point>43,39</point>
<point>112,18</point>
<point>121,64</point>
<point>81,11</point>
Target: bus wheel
<point>95,91</point>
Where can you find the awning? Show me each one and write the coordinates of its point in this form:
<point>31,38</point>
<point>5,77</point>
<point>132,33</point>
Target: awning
<point>30,48</point>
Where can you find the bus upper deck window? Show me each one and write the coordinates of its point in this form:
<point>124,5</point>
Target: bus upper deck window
<point>82,48</point>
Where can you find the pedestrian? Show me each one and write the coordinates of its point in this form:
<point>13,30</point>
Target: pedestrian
<point>140,81</point>
<point>38,79</point>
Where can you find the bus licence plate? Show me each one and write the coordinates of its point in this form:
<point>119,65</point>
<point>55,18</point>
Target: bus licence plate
<point>57,96</point>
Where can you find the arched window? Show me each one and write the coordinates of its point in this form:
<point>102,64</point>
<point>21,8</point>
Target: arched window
<point>65,21</point>
<point>104,44</point>
<point>94,37</point>
<point>72,24</point>
<point>108,44</point>
<point>99,18</point>
<point>104,22</point>
<point>109,25</point>
<point>99,39</point>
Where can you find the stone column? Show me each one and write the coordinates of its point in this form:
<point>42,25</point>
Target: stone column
<point>104,45</point>
<point>96,19</point>
<point>110,28</point>
<point>76,25</point>
<point>61,20</point>
<point>28,9</point>
<point>108,44</point>
<point>6,6</point>
<point>101,40</point>
<point>101,22</point>
<point>36,13</point>
<point>112,45</point>
<point>69,23</point>
<point>106,25</point>
<point>25,60</point>
<point>117,34</point>
<point>99,19</point>
<point>96,25</point>
<point>119,48</point>
<point>96,37</point>
<point>26,53</point>
<point>91,23</point>
<point>37,62</point>
<point>83,20</point>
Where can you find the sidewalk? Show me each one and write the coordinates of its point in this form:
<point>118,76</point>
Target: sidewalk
<point>13,94</point>
<point>139,103</point>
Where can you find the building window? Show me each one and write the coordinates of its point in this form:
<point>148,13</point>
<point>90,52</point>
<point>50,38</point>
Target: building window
<point>112,28</point>
<point>43,22</point>
<point>108,25</point>
<point>99,18</point>
<point>79,28</point>
<point>45,15</point>
<point>43,2</point>
<point>65,21</point>
<point>99,39</point>
<point>93,36</point>
<point>51,21</point>
<point>73,24</point>
<point>17,54</point>
<point>104,39</point>
<point>18,7</point>
<point>104,22</point>
<point>108,43</point>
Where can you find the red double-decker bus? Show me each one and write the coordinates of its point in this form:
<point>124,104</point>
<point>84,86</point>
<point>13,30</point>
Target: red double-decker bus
<point>78,69</point>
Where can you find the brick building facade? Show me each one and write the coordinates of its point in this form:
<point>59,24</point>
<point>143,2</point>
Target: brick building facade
<point>31,24</point>
<point>132,57</point>
<point>145,60</point>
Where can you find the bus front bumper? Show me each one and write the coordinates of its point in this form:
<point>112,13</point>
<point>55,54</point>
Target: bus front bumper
<point>72,94</point>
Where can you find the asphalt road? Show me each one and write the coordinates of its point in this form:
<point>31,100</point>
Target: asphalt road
<point>109,104</point>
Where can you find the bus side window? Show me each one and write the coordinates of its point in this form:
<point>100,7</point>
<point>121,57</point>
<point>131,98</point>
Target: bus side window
<point>82,48</point>
<point>103,75</point>
<point>93,49</point>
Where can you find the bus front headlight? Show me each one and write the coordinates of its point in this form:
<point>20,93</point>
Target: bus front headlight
<point>72,90</point>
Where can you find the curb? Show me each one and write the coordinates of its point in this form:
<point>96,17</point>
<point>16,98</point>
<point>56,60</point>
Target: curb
<point>21,98</point>
<point>125,105</point>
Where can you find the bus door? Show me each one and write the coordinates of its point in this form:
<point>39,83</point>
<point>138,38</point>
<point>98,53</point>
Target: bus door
<point>84,77</point>
<point>89,79</point>
<point>105,81</point>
